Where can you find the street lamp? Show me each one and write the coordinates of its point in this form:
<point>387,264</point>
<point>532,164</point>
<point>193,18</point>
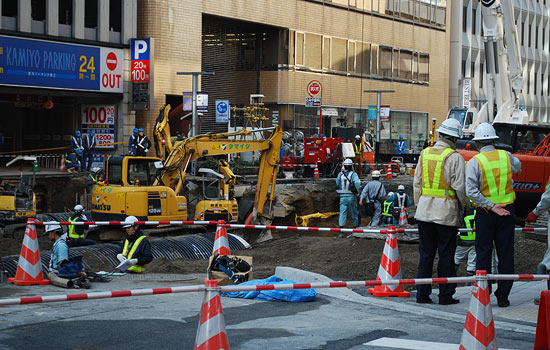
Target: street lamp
<point>378,102</point>
<point>195,75</point>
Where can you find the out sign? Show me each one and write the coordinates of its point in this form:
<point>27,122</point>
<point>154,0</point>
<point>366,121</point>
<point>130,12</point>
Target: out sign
<point>314,88</point>
<point>140,51</point>
<point>111,69</point>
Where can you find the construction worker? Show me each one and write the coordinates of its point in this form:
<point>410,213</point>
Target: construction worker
<point>92,178</point>
<point>439,195</point>
<point>489,186</point>
<point>77,235</point>
<point>142,144</point>
<point>88,143</point>
<point>72,164</point>
<point>136,249</point>
<point>132,142</point>
<point>358,148</point>
<point>387,212</point>
<point>349,186</point>
<point>402,200</point>
<point>465,246</point>
<point>401,145</point>
<point>375,192</point>
<point>543,205</point>
<point>77,148</point>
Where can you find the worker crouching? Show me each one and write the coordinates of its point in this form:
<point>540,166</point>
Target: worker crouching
<point>136,249</point>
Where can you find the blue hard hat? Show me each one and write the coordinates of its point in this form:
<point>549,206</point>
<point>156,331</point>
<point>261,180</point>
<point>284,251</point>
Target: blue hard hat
<point>92,132</point>
<point>136,130</point>
<point>141,130</point>
<point>77,133</point>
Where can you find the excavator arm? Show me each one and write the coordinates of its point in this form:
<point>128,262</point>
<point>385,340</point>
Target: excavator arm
<point>161,133</point>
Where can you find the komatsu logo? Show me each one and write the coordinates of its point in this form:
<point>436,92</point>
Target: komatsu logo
<point>527,186</point>
<point>103,207</point>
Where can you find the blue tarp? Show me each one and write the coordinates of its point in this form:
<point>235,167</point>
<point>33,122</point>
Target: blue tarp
<point>274,295</point>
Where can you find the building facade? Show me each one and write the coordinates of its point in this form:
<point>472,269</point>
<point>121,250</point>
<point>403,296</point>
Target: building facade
<point>64,66</point>
<point>276,49</point>
<point>532,20</point>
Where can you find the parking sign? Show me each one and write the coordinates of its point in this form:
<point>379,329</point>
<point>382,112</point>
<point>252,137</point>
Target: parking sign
<point>222,111</point>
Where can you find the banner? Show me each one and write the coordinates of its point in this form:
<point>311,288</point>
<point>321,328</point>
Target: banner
<point>101,119</point>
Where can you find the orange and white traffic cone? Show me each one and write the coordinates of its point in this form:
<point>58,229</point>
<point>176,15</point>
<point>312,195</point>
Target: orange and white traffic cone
<point>343,167</point>
<point>390,269</point>
<point>479,329</point>
<point>221,242</point>
<point>389,174</point>
<point>403,217</point>
<point>316,172</point>
<point>542,336</point>
<point>62,164</point>
<point>29,267</point>
<point>211,333</point>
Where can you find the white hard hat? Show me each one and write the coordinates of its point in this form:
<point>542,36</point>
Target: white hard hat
<point>451,127</point>
<point>54,227</point>
<point>390,194</point>
<point>357,136</point>
<point>348,162</point>
<point>96,169</point>
<point>485,131</point>
<point>375,173</point>
<point>78,208</point>
<point>129,221</point>
<point>401,187</point>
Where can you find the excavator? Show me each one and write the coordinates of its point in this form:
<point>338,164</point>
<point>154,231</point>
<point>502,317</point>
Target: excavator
<point>151,188</point>
<point>528,142</point>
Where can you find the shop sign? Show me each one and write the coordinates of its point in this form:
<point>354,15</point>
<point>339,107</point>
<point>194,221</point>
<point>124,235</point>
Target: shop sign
<point>101,119</point>
<point>372,113</point>
<point>384,112</point>
<point>139,71</point>
<point>40,63</point>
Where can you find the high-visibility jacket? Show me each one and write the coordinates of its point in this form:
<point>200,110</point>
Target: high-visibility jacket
<point>72,231</point>
<point>358,148</point>
<point>133,247</point>
<point>433,180</point>
<point>496,176</point>
<point>388,210</point>
<point>470,223</point>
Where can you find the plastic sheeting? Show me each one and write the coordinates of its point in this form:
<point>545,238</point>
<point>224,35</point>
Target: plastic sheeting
<point>292,295</point>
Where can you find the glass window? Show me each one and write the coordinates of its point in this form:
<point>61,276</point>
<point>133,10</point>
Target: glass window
<point>464,19</point>
<point>415,67</point>
<point>481,75</point>
<point>536,37</point>
<point>115,15</point>
<point>405,64</point>
<point>424,67</point>
<point>300,38</point>
<point>385,61</point>
<point>313,50</point>
<point>419,132</point>
<point>90,14</point>
<point>395,63</point>
<point>374,59</point>
<point>339,60</point>
<point>9,8</point>
<point>363,59</point>
<point>326,53</point>
<point>351,56</point>
<point>529,40</point>
<point>474,10</point>
<point>143,170</point>
<point>115,174</point>
<point>291,47</point>
<point>38,10</point>
<point>66,12</point>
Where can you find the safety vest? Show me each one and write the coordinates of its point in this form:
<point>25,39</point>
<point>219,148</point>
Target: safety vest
<point>432,168</point>
<point>93,178</point>
<point>470,224</point>
<point>133,247</point>
<point>72,232</point>
<point>401,200</point>
<point>496,176</point>
<point>358,149</point>
<point>400,146</point>
<point>387,208</point>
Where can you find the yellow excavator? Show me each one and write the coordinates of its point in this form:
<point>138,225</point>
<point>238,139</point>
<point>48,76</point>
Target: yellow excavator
<point>17,204</point>
<point>151,188</point>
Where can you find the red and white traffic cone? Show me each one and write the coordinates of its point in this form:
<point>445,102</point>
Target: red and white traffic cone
<point>479,329</point>
<point>390,269</point>
<point>29,267</point>
<point>316,172</point>
<point>62,164</point>
<point>221,242</point>
<point>403,217</point>
<point>211,334</point>
<point>389,174</point>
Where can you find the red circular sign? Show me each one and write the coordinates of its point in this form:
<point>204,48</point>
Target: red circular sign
<point>111,61</point>
<point>314,88</point>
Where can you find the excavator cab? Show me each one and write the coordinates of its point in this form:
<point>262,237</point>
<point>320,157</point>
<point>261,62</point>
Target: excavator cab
<point>131,170</point>
<point>217,201</point>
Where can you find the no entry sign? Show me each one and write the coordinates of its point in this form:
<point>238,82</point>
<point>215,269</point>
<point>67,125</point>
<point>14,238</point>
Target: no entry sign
<point>314,88</point>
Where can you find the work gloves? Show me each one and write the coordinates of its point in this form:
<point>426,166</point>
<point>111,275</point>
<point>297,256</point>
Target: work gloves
<point>531,217</point>
<point>123,258</point>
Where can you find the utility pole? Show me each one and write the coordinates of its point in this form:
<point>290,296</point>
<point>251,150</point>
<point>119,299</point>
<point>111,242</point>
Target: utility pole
<point>195,75</point>
<point>378,103</point>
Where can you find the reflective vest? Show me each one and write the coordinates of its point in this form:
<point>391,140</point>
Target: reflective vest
<point>432,168</point>
<point>358,149</point>
<point>387,208</point>
<point>401,200</point>
<point>496,176</point>
<point>72,232</point>
<point>133,247</point>
<point>470,224</point>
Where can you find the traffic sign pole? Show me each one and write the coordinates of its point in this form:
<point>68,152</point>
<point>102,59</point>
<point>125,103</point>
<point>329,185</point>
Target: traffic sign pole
<point>321,113</point>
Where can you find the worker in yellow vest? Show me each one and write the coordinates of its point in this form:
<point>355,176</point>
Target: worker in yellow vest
<point>136,249</point>
<point>358,148</point>
<point>489,186</point>
<point>439,194</point>
<point>76,236</point>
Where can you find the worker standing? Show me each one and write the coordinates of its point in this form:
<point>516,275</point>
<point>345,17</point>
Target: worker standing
<point>387,211</point>
<point>375,192</point>
<point>402,201</point>
<point>358,148</point>
<point>465,246</point>
<point>77,148</point>
<point>77,235</point>
<point>349,186</point>
<point>401,145</point>
<point>132,142</point>
<point>142,144</point>
<point>136,249</point>
<point>89,143</point>
<point>439,194</point>
<point>489,186</point>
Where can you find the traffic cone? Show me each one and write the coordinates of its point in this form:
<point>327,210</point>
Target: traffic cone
<point>343,167</point>
<point>62,164</point>
<point>542,336</point>
<point>390,268</point>
<point>389,174</point>
<point>316,172</point>
<point>403,217</point>
<point>221,242</point>
<point>29,267</point>
<point>211,332</point>
<point>479,329</point>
